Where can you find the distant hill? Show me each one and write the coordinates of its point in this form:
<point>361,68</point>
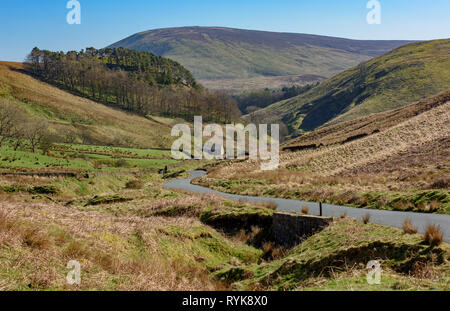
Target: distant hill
<point>399,78</point>
<point>216,53</point>
<point>79,120</point>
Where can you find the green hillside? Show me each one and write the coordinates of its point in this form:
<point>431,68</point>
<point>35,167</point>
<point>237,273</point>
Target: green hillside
<point>403,76</point>
<point>73,119</point>
<point>214,53</point>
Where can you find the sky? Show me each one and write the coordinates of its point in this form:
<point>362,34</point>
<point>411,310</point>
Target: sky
<point>43,23</point>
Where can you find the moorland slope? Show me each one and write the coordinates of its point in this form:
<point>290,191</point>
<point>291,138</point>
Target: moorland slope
<point>394,80</point>
<point>78,120</point>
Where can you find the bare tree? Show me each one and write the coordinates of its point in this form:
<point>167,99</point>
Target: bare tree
<point>35,132</point>
<point>10,120</point>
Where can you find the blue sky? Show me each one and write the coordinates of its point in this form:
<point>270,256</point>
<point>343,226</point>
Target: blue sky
<point>42,23</point>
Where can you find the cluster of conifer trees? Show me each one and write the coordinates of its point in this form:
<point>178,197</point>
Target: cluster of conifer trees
<point>135,81</point>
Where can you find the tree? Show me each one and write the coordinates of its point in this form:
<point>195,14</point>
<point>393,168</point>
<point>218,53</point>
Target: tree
<point>35,132</point>
<point>135,81</point>
<point>10,117</point>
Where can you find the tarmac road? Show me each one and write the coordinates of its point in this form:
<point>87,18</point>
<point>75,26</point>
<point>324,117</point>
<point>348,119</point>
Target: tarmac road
<point>382,217</point>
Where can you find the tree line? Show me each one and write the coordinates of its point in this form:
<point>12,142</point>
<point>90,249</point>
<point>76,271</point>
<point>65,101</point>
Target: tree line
<point>139,82</point>
<point>249,102</point>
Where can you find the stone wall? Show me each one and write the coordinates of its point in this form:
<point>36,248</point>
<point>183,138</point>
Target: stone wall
<point>290,229</point>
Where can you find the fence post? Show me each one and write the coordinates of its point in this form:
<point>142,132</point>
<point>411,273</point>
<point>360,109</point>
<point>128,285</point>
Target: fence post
<point>320,206</point>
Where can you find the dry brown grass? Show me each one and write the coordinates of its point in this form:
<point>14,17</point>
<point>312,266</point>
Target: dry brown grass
<point>366,218</point>
<point>408,227</point>
<point>28,234</point>
<point>414,133</point>
<point>403,206</point>
<point>273,252</point>
<point>134,184</point>
<point>339,133</point>
<point>268,247</point>
<point>271,205</point>
<point>433,235</point>
<point>279,252</point>
<point>100,242</point>
<point>305,210</point>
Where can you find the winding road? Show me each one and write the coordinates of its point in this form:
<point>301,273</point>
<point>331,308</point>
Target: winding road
<point>382,217</point>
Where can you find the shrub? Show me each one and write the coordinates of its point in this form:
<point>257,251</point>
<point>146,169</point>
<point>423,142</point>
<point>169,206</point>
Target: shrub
<point>433,235</point>
<point>98,200</point>
<point>48,189</point>
<point>305,210</point>
<point>12,189</point>
<point>408,227</point>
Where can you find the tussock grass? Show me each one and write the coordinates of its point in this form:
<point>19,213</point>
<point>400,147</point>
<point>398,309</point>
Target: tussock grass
<point>271,205</point>
<point>127,253</point>
<point>134,184</point>
<point>433,235</point>
<point>366,218</point>
<point>408,227</point>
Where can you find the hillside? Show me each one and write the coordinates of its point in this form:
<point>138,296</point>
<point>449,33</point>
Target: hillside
<point>402,165</point>
<point>139,82</point>
<point>399,78</point>
<point>348,131</point>
<point>75,119</point>
<point>216,53</point>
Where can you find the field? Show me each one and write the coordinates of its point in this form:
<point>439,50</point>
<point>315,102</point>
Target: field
<point>238,86</point>
<point>81,158</point>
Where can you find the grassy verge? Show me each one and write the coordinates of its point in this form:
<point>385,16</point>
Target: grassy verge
<point>336,259</point>
<point>414,200</point>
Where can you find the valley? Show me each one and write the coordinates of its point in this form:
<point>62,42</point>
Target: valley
<point>87,174</point>
<point>396,79</point>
